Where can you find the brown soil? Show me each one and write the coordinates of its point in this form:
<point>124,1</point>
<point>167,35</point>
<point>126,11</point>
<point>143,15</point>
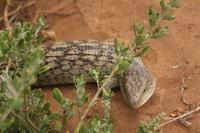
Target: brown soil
<point>175,56</point>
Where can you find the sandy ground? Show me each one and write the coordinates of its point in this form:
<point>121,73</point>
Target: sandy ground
<point>175,56</point>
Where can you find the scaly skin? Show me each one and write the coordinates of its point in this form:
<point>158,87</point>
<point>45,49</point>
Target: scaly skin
<point>67,59</point>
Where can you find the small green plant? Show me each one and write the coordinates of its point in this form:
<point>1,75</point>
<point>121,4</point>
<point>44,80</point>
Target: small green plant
<point>21,60</point>
<point>154,30</point>
<point>151,126</point>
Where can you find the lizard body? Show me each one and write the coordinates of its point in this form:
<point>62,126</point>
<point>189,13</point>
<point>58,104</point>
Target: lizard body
<point>70,58</point>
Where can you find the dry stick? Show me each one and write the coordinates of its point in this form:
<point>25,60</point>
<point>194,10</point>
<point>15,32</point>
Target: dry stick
<point>18,9</point>
<point>11,13</point>
<point>34,127</point>
<point>184,121</point>
<point>94,99</point>
<point>57,13</point>
<point>180,117</point>
<point>183,88</point>
<point>5,17</point>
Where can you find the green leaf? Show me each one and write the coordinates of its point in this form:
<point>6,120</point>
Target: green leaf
<point>168,16</point>
<point>71,114</point>
<point>42,21</point>
<point>164,5</point>
<point>139,28</point>
<point>67,103</point>
<point>119,47</point>
<point>167,8</point>
<point>175,3</point>
<point>97,125</point>
<point>97,75</point>
<point>58,96</point>
<point>58,126</point>
<point>16,103</point>
<point>140,39</point>
<point>143,51</point>
<point>46,107</point>
<point>4,125</point>
<point>123,66</point>
<point>154,16</point>
<point>80,81</point>
<point>160,32</point>
<point>44,69</point>
<point>56,115</point>
<point>85,99</point>
<point>45,121</point>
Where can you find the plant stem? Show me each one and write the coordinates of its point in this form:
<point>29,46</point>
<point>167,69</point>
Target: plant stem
<point>95,98</point>
<point>6,21</point>
<point>12,93</point>
<point>33,126</point>
<point>64,121</point>
<point>18,9</point>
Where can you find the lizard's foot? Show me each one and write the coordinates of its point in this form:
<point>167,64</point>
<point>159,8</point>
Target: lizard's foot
<point>137,84</point>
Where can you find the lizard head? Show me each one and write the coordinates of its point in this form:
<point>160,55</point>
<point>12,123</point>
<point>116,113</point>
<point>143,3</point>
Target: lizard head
<point>137,84</point>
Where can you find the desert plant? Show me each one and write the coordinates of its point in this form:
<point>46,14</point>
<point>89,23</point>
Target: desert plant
<point>139,45</point>
<point>25,110</point>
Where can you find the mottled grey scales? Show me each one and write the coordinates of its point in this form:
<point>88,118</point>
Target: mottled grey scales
<point>70,58</point>
<point>142,80</point>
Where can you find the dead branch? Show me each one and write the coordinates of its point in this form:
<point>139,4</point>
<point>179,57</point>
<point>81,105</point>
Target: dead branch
<point>182,95</point>
<point>184,116</point>
<point>5,18</point>
<point>18,9</point>
<point>57,13</point>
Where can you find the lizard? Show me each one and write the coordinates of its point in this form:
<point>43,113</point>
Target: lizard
<point>69,58</point>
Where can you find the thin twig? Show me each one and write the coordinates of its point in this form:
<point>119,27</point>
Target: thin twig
<point>34,127</point>
<point>29,121</point>
<point>182,95</point>
<point>64,121</point>
<point>180,117</point>
<point>57,13</point>
<point>5,18</point>
<point>11,13</point>
<point>18,9</point>
<point>11,89</point>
